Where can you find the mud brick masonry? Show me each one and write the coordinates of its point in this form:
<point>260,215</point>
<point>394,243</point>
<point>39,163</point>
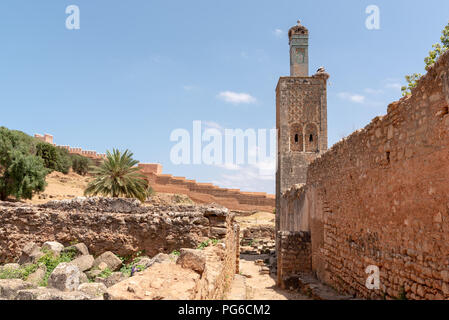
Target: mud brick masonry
<point>378,197</point>
<point>233,199</point>
<point>199,192</point>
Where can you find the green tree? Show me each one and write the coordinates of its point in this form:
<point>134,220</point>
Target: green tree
<point>118,176</point>
<point>80,164</point>
<point>438,50</point>
<point>55,158</point>
<point>21,171</point>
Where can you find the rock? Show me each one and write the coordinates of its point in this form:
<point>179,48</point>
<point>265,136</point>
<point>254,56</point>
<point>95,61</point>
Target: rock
<point>83,262</point>
<point>42,293</point>
<point>143,263</point>
<point>111,260</point>
<point>102,266</point>
<point>10,266</point>
<point>94,273</point>
<point>146,262</point>
<point>65,277</point>
<point>192,259</point>
<point>114,278</point>
<point>83,278</point>
<point>93,289</point>
<point>10,287</point>
<point>79,249</point>
<point>30,253</point>
<point>37,276</point>
<point>53,246</point>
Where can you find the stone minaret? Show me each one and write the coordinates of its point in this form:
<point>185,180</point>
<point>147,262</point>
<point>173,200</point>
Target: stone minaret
<point>301,115</point>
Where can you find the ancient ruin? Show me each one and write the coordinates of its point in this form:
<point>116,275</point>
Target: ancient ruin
<point>378,199</point>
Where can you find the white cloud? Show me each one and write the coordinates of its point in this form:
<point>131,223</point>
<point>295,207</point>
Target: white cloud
<point>236,98</point>
<point>373,91</point>
<point>278,33</point>
<point>356,98</point>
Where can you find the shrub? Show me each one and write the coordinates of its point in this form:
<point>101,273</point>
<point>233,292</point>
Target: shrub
<point>80,164</point>
<point>438,50</point>
<point>55,159</point>
<point>21,171</point>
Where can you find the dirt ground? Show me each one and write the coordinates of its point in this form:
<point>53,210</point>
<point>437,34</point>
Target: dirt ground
<point>61,186</point>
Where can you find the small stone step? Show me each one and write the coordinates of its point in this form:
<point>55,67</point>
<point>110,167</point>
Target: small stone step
<point>238,288</point>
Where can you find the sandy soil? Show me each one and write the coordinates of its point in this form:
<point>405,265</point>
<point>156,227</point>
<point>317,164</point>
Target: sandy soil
<point>61,186</point>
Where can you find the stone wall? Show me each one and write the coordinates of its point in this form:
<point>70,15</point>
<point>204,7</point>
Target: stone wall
<point>122,226</point>
<point>380,197</point>
<point>294,257</point>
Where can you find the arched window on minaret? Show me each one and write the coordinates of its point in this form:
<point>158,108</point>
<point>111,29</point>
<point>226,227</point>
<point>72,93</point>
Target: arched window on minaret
<point>296,138</point>
<point>311,138</point>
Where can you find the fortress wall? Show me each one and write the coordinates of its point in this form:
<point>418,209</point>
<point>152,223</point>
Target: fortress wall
<point>381,197</point>
<point>86,153</point>
<point>206,192</point>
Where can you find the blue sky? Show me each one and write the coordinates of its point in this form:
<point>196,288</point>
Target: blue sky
<point>137,70</point>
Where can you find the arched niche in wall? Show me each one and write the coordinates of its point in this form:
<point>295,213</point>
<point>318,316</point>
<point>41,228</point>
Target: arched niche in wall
<point>296,138</point>
<point>311,137</point>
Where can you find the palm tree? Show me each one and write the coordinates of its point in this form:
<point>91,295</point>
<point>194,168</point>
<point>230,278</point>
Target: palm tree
<point>118,176</point>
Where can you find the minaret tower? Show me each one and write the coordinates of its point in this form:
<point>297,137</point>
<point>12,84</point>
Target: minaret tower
<point>301,115</point>
<point>298,37</point>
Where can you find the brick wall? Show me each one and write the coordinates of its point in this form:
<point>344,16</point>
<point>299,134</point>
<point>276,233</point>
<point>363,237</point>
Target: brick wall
<point>381,197</point>
<point>233,199</point>
<point>86,153</point>
<point>294,257</point>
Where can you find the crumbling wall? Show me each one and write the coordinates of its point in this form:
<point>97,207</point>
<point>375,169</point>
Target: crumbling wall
<point>294,256</point>
<point>196,275</point>
<point>381,198</point>
<point>122,226</point>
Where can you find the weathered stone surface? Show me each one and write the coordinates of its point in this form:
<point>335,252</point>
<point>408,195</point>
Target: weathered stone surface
<point>80,249</point>
<point>83,262</point>
<point>113,279</point>
<point>42,293</point>
<point>93,289</point>
<point>110,259</point>
<point>65,277</point>
<point>157,228</point>
<point>92,274</point>
<point>10,287</point>
<point>37,276</point>
<point>83,278</point>
<point>192,259</point>
<point>31,252</point>
<point>97,204</point>
<point>146,262</point>
<point>53,246</point>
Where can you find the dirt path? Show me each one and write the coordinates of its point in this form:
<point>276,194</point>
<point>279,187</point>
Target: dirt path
<point>263,286</point>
